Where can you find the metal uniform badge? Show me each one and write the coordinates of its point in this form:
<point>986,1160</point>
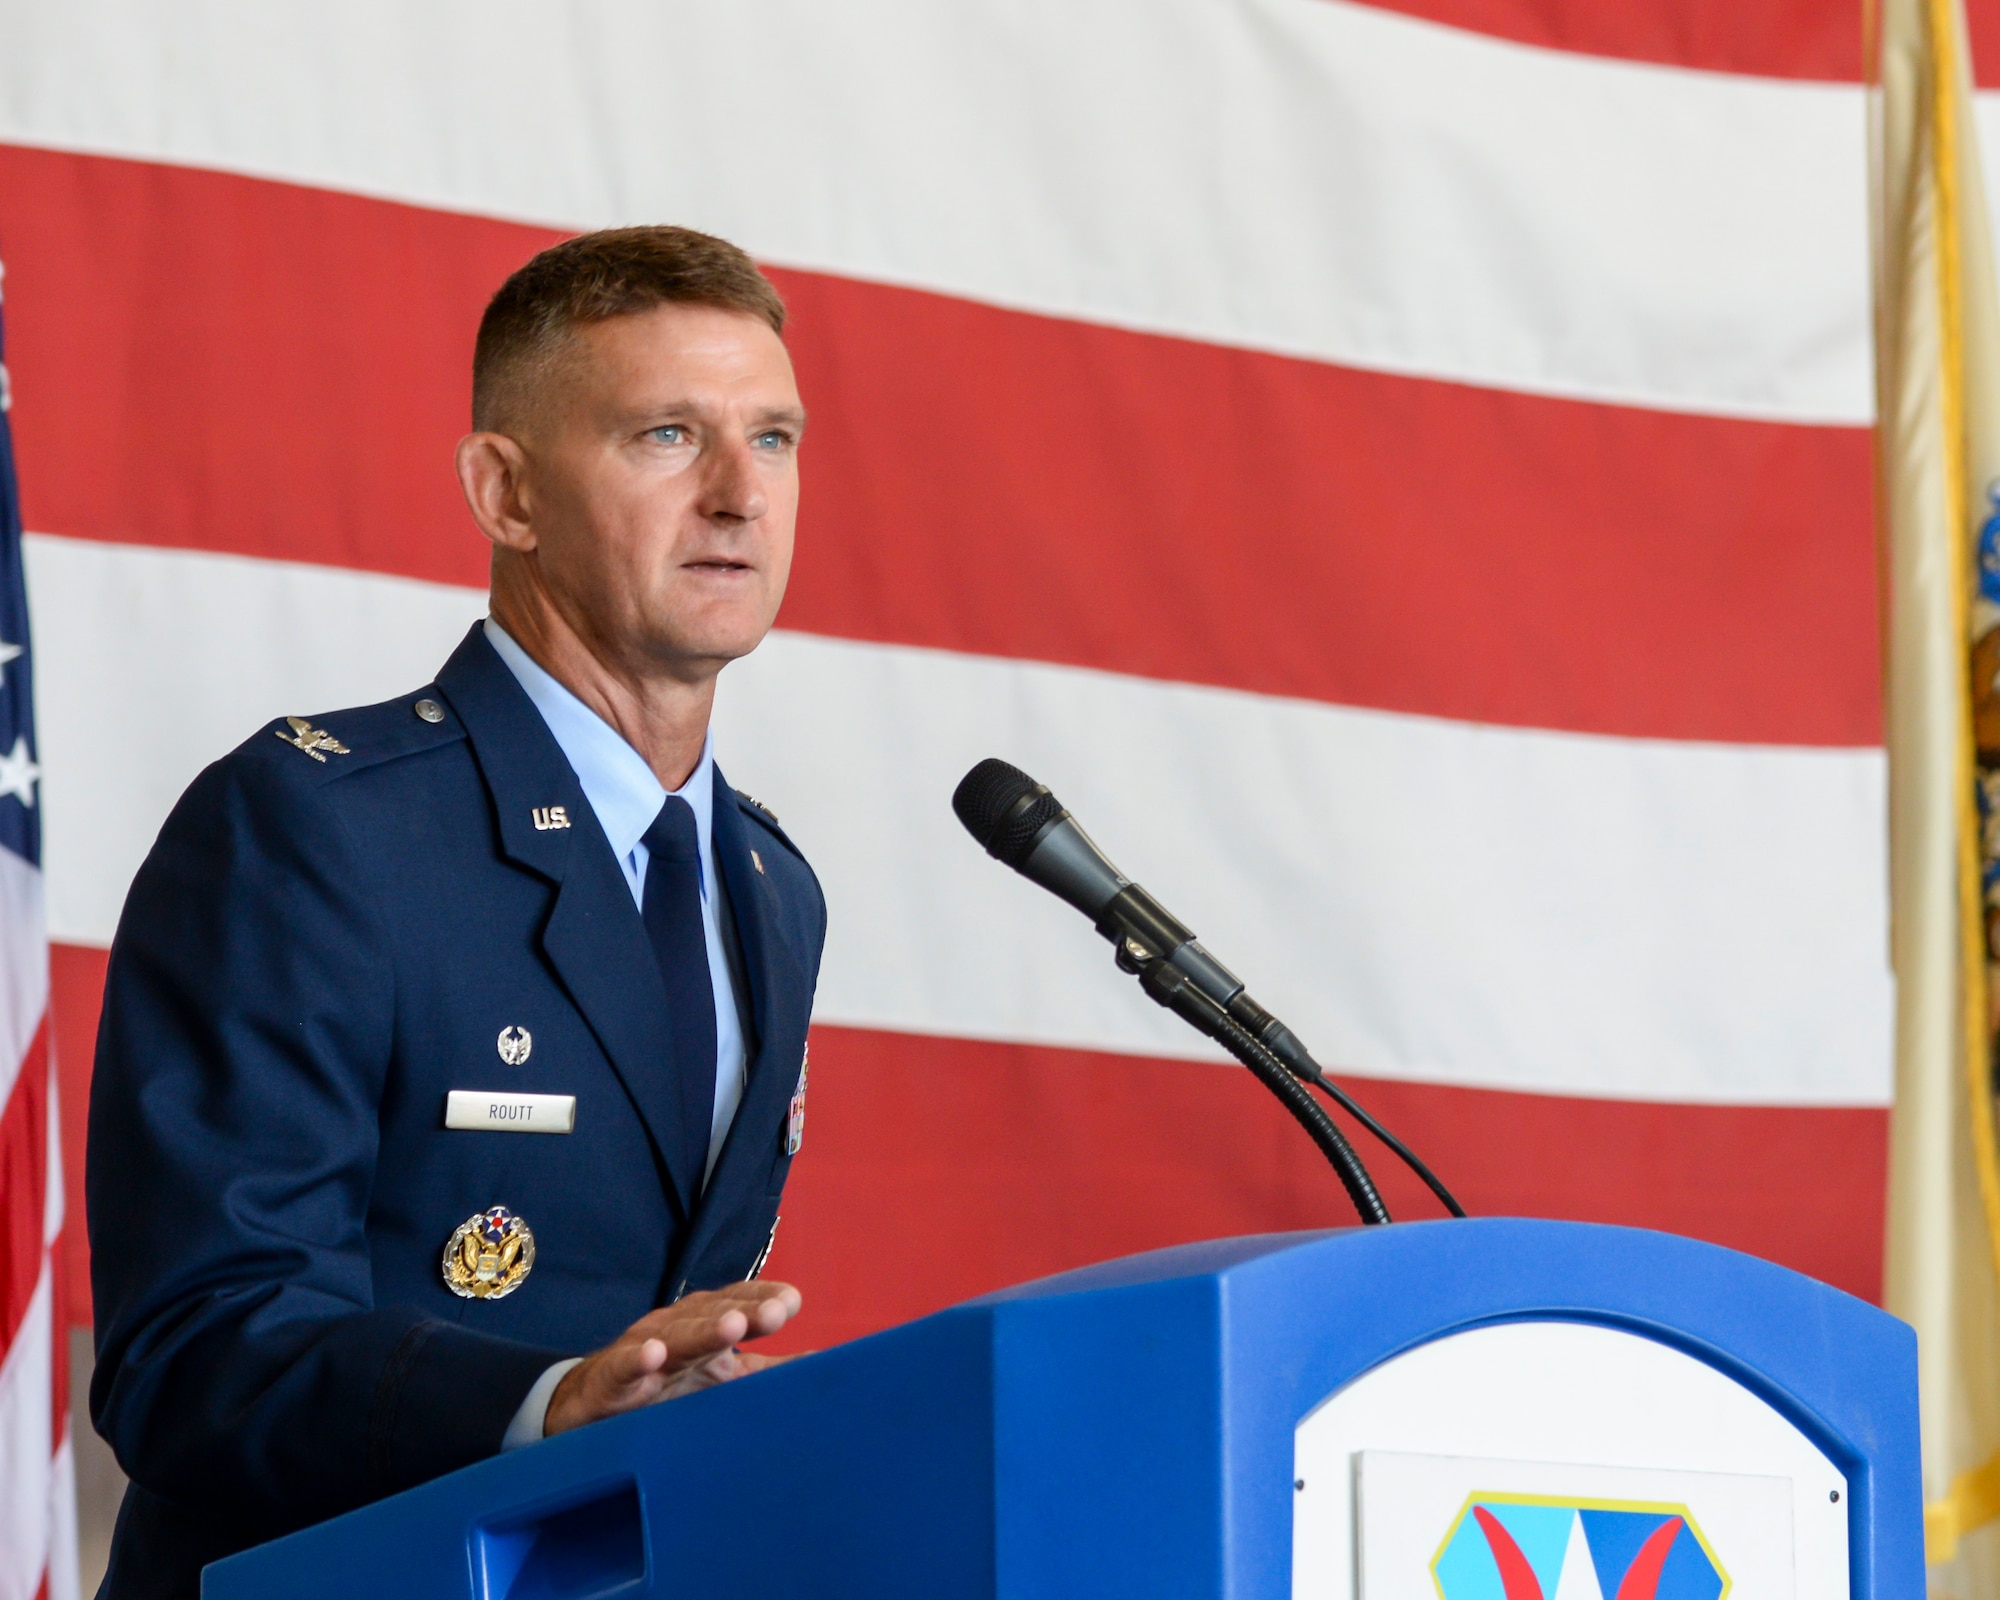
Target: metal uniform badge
<point>304,736</point>
<point>795,1118</point>
<point>489,1256</point>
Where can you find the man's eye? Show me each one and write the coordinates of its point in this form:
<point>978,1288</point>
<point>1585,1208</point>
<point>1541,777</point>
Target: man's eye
<point>670,433</point>
<point>773,439</point>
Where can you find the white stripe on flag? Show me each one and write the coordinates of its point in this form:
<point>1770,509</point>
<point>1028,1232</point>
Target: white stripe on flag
<point>1304,176</point>
<point>1421,898</point>
<point>1425,899</point>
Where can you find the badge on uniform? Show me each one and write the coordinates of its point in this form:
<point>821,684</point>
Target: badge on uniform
<point>304,736</point>
<point>489,1256</point>
<point>795,1118</point>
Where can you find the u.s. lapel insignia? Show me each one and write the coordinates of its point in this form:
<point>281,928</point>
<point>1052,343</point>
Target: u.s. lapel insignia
<point>313,741</point>
<point>795,1117</point>
<point>489,1256</point>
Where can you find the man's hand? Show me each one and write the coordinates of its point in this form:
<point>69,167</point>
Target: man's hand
<point>676,1350</point>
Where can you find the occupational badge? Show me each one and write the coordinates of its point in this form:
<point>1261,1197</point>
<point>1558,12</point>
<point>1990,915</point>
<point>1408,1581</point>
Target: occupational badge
<point>515,1043</point>
<point>304,736</point>
<point>795,1118</point>
<point>489,1256</point>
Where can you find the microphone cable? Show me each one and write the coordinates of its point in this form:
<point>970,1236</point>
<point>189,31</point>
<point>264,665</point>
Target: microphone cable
<point>1171,988</point>
<point>1319,1080</point>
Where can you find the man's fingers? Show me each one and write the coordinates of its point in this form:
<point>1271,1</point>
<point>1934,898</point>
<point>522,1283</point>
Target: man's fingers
<point>619,1378</point>
<point>769,1315</point>
<point>677,1349</point>
<point>767,1307</point>
<point>763,1307</point>
<point>752,1361</point>
<point>749,1293</point>
<point>698,1338</point>
<point>628,1364</point>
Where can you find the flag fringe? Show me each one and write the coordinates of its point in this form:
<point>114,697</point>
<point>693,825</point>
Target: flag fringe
<point>1974,1498</point>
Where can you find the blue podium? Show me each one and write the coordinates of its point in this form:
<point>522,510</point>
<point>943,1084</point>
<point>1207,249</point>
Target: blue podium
<point>1483,1410</point>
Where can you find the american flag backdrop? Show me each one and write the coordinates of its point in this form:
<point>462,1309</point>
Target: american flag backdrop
<point>1399,472</point>
<point>37,1510</point>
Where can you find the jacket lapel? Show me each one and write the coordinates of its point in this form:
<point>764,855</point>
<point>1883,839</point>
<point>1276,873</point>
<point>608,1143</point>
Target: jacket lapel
<point>780,1006</point>
<point>594,937</point>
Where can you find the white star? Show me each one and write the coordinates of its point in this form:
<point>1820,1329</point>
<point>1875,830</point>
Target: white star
<point>7,653</point>
<point>18,773</point>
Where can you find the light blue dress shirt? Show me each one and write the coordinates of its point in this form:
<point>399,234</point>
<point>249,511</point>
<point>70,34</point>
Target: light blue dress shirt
<point>626,797</point>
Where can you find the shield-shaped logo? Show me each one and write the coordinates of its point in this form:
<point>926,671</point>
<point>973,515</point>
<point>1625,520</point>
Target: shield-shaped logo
<point>1536,1547</point>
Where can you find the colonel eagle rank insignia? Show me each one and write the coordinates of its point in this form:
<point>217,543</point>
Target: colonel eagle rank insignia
<point>306,737</point>
<point>489,1256</point>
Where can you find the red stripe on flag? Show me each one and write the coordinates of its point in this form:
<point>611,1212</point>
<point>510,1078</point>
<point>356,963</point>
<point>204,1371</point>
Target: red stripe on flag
<point>1021,486</point>
<point>1982,26</point>
<point>24,1183</point>
<point>214,362</point>
<point>937,1169</point>
<point>1767,38</point>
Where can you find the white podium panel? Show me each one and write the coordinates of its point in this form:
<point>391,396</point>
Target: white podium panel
<point>1560,1461</point>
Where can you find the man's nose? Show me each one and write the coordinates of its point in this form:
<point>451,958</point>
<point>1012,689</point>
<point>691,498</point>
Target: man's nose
<point>734,491</point>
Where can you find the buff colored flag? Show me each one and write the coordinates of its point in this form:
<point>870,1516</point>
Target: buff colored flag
<point>1939,372</point>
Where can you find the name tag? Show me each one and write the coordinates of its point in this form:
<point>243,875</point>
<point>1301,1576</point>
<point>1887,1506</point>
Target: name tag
<point>510,1113</point>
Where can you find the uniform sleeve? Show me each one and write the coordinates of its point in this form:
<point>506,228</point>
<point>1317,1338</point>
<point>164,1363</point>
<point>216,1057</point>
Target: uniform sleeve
<point>246,1034</point>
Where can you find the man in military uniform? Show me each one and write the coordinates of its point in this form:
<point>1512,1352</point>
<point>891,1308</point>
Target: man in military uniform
<point>453,1051</point>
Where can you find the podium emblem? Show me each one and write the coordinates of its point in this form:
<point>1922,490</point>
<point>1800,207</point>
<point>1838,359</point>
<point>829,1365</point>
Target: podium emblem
<point>490,1256</point>
<point>1535,1547</point>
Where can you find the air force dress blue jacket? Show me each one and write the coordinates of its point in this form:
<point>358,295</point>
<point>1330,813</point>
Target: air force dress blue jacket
<point>333,930</point>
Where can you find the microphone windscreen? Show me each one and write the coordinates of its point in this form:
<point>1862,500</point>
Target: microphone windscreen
<point>1004,809</point>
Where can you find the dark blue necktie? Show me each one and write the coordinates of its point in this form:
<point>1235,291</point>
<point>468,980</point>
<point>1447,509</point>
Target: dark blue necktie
<point>672,909</point>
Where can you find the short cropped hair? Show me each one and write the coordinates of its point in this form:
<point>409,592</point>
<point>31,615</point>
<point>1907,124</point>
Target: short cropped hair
<point>592,278</point>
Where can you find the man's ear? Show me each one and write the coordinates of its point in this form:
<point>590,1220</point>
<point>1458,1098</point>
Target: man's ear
<point>491,472</point>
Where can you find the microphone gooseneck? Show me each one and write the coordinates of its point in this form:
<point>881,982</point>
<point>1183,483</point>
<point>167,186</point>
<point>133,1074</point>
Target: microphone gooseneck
<point>1020,823</point>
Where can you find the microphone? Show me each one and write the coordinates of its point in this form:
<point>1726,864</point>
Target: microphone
<point>1019,822</point>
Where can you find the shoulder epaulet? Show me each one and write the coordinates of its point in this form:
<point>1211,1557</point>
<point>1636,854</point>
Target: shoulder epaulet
<point>362,736</point>
<point>767,819</point>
